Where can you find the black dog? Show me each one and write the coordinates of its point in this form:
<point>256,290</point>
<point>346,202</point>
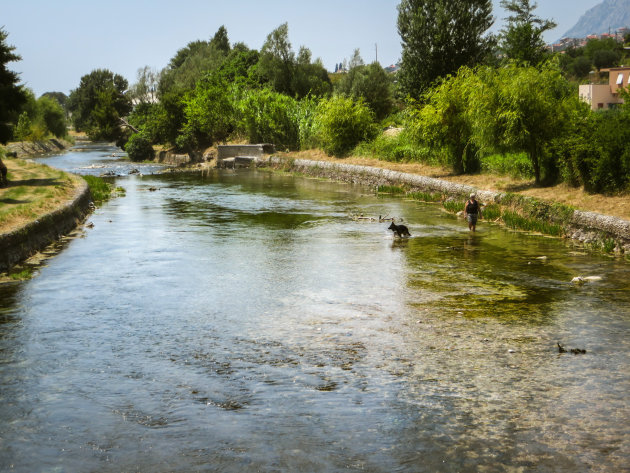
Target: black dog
<point>3,174</point>
<point>399,230</point>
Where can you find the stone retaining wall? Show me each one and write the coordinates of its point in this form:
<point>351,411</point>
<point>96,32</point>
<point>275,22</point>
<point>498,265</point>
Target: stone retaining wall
<point>22,243</point>
<point>586,227</point>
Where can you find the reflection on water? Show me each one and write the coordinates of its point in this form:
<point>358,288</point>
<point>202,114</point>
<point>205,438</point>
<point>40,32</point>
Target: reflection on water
<point>242,321</point>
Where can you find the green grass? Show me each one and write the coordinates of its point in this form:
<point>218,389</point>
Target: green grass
<point>516,165</point>
<point>491,212</point>
<point>453,206</point>
<point>23,275</point>
<point>516,221</point>
<point>425,196</point>
<point>100,189</point>
<point>394,190</point>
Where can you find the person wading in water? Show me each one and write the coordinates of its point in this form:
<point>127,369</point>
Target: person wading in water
<point>472,211</point>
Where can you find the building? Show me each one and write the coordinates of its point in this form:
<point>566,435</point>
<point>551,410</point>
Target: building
<point>605,96</point>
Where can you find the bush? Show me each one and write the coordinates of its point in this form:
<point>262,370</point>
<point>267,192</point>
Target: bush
<point>342,124</point>
<point>399,148</point>
<point>269,117</point>
<point>517,165</point>
<point>139,148</point>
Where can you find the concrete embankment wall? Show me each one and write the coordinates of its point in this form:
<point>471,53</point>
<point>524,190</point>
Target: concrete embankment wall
<point>585,227</point>
<point>20,244</point>
<point>27,149</point>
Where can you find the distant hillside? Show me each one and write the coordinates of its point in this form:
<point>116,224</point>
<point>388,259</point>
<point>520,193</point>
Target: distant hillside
<point>608,15</point>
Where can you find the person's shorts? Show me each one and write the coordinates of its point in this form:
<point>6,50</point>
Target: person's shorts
<point>472,218</point>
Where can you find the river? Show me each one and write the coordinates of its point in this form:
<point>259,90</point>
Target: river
<point>243,321</point>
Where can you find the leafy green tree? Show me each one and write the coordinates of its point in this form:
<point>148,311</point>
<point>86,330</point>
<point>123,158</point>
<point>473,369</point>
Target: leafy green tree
<point>440,36</point>
<point>52,116</point>
<point>287,74</point>
<point>270,117</point>
<point>98,104</point>
<point>605,58</point>
<point>521,109</point>
<point>372,84</point>
<point>446,120</point>
<point>23,128</point>
<point>139,148</point>
<point>193,61</point>
<point>277,60</point>
<point>12,96</point>
<point>342,123</point>
<point>209,113</point>
<point>522,38</point>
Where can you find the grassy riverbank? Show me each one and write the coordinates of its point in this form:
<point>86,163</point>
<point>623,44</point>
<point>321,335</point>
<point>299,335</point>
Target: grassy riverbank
<point>33,191</point>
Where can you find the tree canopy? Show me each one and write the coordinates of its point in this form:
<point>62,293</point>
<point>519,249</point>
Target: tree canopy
<point>522,38</point>
<point>440,36</point>
<point>12,96</point>
<point>98,104</point>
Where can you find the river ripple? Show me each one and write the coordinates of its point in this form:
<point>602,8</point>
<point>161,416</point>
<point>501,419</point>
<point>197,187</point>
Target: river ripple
<point>242,321</point>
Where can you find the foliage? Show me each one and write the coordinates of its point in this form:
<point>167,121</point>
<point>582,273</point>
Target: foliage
<point>342,123</point>
<point>445,119</point>
<point>23,127</point>
<point>52,116</point>
<point>146,87</point>
<point>270,117</point>
<point>209,113</point>
<point>521,109</point>
<point>100,189</point>
<point>284,73</point>
<point>12,96</point>
<point>399,148</point>
<point>139,148</point>
<point>516,165</point>
<point>193,61</point>
<point>522,38</point>
<point>98,104</point>
<point>372,84</point>
<point>440,36</point>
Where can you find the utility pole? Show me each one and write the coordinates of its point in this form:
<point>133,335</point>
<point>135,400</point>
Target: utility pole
<point>376,47</point>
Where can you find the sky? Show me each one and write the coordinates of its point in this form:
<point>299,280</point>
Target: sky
<point>62,40</point>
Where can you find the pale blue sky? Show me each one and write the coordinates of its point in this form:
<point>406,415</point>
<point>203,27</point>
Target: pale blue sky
<point>62,40</point>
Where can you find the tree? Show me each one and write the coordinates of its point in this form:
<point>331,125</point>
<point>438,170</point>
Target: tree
<point>209,114</point>
<point>521,109</point>
<point>52,116</point>
<point>440,36</point>
<point>342,123</point>
<point>286,74</point>
<point>372,84</point>
<point>145,89</point>
<point>277,60</point>
<point>98,104</point>
<point>445,120</point>
<point>12,96</point>
<point>522,38</point>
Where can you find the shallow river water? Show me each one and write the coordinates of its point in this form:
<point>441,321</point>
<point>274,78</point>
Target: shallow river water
<point>242,321</point>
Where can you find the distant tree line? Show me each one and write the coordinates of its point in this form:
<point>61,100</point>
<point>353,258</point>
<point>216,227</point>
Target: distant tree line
<point>463,98</point>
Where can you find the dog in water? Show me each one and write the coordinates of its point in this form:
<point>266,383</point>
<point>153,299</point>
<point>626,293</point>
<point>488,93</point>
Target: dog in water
<point>399,230</point>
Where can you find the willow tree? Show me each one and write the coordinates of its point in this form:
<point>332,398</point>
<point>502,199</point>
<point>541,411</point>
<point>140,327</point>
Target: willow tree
<point>521,109</point>
<point>440,36</point>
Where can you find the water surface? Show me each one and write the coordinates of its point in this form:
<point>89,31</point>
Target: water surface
<point>243,321</point>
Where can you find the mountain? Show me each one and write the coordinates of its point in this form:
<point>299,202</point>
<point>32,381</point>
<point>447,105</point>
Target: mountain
<point>608,15</point>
